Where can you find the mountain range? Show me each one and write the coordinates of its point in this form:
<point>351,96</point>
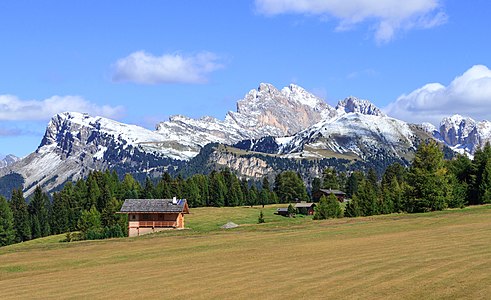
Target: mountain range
<point>270,131</point>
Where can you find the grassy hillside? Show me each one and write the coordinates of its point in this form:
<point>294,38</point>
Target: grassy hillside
<point>424,256</point>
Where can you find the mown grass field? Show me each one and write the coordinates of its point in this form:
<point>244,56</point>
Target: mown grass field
<point>443,255</point>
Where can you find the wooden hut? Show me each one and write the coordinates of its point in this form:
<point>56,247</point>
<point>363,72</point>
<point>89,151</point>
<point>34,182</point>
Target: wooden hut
<point>305,208</point>
<point>339,194</point>
<point>153,215</point>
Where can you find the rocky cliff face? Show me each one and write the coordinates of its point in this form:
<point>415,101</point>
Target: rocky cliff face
<point>269,111</point>
<point>464,134</point>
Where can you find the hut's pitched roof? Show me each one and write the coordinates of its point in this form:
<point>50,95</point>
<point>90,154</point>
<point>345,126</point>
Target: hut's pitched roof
<point>335,192</point>
<point>304,205</point>
<point>154,206</point>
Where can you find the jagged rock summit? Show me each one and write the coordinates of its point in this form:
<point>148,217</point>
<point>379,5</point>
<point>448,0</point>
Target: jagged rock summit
<point>355,105</point>
<point>8,160</point>
<point>464,135</point>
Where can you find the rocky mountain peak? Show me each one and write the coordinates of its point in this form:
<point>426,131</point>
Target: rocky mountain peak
<point>269,111</point>
<point>8,160</point>
<point>455,130</point>
<point>355,105</point>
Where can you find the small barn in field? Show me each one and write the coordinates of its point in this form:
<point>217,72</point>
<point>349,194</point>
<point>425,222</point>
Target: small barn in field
<point>282,211</point>
<point>153,215</point>
<point>305,208</point>
<point>326,192</point>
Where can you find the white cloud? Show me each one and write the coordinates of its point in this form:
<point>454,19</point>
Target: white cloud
<point>388,16</point>
<point>14,109</point>
<point>468,94</point>
<point>144,68</point>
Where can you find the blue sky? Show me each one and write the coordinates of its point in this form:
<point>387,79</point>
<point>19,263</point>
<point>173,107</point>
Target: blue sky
<point>142,61</point>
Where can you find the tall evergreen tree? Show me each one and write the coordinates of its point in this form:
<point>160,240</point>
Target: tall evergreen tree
<point>479,183</point>
<point>148,189</point>
<point>93,191</point>
<point>330,179</point>
<point>353,183</point>
<point>353,208</point>
<point>327,208</point>
<point>22,224</point>
<point>427,180</point>
<point>7,232</point>
<point>290,187</point>
<point>218,189</point>
<point>130,188</point>
<point>316,186</point>
<point>39,209</point>
<point>60,215</point>
<point>485,185</point>
<point>367,199</point>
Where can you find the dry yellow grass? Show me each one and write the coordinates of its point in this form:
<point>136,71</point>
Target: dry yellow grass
<point>427,256</point>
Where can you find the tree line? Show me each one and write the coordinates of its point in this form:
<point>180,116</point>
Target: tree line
<point>89,205</point>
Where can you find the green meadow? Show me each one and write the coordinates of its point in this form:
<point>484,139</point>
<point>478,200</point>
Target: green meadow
<point>439,255</point>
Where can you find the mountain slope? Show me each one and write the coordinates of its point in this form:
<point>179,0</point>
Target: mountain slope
<point>75,143</point>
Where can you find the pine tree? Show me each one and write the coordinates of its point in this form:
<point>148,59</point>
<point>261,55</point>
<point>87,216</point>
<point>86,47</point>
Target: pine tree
<point>192,193</point>
<point>322,209</point>
<point>7,232</point>
<point>218,189</point>
<point>367,199</point>
<point>316,186</point>
<point>327,208</point>
<point>148,190</point>
<point>459,193</point>
<point>290,187</point>
<point>479,184</point>
<point>427,180</point>
<point>330,179</point>
<point>353,208</point>
<point>130,188</point>
<point>485,185</point>
<point>353,183</point>
<point>39,208</point>
<point>22,224</point>
<point>260,219</point>
<point>253,196</point>
<point>60,215</point>
<point>93,191</point>
<point>108,216</point>
<point>90,219</point>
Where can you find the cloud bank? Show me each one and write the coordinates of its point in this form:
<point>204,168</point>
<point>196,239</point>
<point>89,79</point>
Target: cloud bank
<point>14,109</point>
<point>386,17</point>
<point>468,94</point>
<point>144,68</point>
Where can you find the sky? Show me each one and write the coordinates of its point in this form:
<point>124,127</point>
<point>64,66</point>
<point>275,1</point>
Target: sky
<point>140,62</point>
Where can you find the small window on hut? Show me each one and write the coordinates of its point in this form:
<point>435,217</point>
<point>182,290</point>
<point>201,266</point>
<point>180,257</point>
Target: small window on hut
<point>133,217</point>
